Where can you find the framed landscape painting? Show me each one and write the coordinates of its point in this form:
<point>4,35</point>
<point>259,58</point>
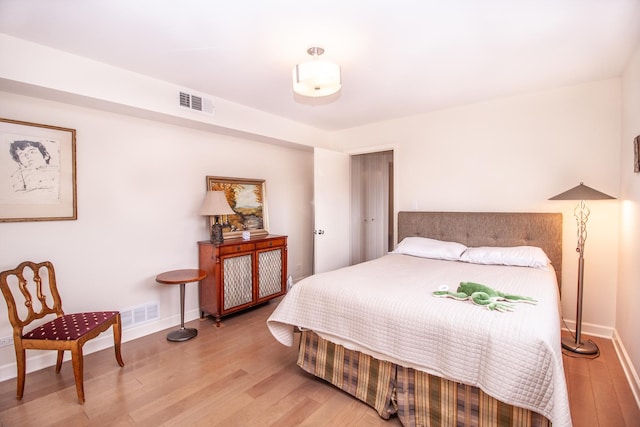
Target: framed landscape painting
<point>247,198</point>
<point>37,172</point>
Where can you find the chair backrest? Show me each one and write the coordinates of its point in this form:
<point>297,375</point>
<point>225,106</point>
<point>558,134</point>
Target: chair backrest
<point>20,285</point>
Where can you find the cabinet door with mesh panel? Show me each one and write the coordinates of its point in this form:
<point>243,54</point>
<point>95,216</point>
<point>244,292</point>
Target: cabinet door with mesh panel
<point>270,273</point>
<point>237,273</point>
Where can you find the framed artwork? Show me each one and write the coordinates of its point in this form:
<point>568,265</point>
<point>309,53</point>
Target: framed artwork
<point>37,172</point>
<point>247,198</point>
<point>636,156</point>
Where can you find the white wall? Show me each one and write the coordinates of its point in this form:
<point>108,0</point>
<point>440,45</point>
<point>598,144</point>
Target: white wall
<point>38,70</point>
<point>628,301</point>
<point>140,184</point>
<point>512,154</point>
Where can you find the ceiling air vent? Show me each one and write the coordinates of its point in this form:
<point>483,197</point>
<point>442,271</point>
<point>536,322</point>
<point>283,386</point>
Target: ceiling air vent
<point>196,102</point>
<point>185,100</point>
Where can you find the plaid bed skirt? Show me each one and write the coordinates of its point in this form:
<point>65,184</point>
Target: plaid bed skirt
<point>418,399</point>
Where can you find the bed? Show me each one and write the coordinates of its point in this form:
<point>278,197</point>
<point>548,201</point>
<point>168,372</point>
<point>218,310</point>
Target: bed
<point>376,331</point>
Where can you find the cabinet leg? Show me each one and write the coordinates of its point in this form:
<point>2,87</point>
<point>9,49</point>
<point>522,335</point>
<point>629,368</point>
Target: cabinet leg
<point>217,321</point>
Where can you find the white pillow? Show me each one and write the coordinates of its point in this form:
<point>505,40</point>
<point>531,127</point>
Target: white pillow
<point>524,256</point>
<point>430,248</point>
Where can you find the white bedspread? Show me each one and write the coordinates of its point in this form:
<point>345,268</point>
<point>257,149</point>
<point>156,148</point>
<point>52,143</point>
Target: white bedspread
<point>385,308</point>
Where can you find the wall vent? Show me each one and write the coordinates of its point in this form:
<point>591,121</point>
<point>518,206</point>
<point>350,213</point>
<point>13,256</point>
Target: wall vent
<point>196,102</point>
<point>133,316</point>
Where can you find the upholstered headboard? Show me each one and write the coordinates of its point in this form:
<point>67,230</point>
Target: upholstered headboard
<point>489,229</point>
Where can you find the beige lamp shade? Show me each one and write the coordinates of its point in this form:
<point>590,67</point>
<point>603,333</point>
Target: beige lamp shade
<point>215,203</point>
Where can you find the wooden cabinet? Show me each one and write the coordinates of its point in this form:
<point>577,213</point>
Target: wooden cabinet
<point>241,273</point>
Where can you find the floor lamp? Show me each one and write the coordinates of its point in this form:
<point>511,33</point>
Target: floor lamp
<point>581,212</point>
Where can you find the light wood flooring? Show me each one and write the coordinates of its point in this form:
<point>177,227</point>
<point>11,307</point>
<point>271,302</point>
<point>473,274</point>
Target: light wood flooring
<point>238,375</point>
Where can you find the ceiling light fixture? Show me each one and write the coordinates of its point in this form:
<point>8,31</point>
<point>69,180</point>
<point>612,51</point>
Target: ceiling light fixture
<point>316,78</point>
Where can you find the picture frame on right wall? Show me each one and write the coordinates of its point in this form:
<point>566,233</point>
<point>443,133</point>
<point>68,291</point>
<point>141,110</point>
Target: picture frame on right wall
<point>636,154</point>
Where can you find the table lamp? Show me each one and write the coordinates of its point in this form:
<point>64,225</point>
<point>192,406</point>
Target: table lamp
<point>581,212</point>
<point>216,204</point>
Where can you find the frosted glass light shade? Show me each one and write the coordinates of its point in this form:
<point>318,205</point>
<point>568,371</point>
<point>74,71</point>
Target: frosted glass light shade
<point>316,78</point>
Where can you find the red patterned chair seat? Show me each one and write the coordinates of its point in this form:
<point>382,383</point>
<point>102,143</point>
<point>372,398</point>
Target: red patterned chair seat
<point>70,326</point>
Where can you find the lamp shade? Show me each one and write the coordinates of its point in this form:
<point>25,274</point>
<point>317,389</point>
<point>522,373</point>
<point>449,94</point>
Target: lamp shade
<point>316,78</point>
<point>215,203</point>
<point>581,192</point>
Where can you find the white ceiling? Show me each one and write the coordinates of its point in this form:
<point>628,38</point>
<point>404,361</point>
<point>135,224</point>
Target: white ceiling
<point>398,58</point>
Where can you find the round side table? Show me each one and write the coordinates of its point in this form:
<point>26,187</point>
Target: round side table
<point>180,277</point>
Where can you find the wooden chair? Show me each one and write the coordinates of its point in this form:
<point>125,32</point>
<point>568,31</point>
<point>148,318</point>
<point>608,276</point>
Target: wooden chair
<point>65,332</point>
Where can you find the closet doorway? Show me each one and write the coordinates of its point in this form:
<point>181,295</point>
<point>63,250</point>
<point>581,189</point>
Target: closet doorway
<point>371,205</point>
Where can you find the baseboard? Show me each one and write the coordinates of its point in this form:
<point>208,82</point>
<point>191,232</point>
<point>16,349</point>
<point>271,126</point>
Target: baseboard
<point>44,359</point>
<point>627,366</point>
<point>589,329</point>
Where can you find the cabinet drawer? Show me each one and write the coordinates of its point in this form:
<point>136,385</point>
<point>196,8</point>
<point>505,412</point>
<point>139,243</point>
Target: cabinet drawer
<point>270,244</point>
<point>240,247</point>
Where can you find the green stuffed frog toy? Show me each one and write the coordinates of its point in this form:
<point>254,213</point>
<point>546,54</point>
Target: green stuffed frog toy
<point>483,295</point>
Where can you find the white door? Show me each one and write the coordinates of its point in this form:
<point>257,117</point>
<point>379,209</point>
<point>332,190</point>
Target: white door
<point>331,247</point>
